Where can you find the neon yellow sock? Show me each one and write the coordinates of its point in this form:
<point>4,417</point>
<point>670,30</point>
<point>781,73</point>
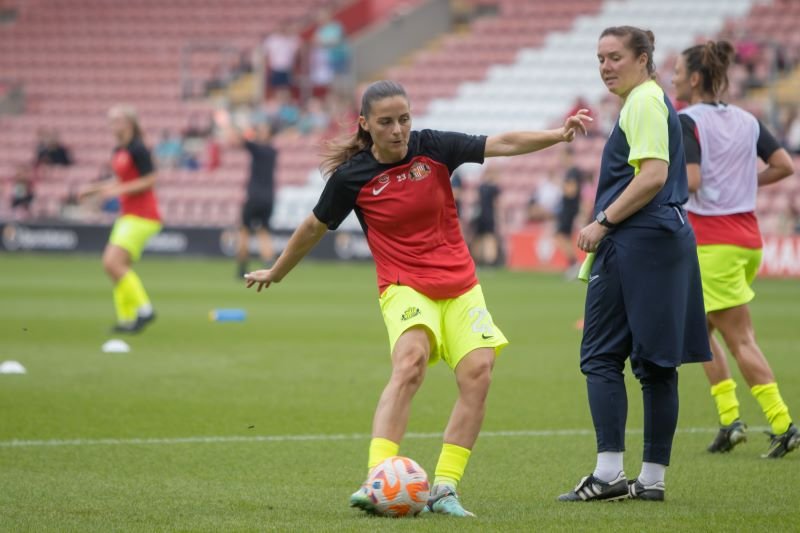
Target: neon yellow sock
<point>381,449</point>
<point>135,289</point>
<point>724,394</point>
<point>123,304</point>
<point>777,413</point>
<point>452,463</point>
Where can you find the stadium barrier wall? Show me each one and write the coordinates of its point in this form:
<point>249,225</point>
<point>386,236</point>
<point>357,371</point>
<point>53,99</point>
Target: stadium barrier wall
<point>384,45</point>
<point>172,241</point>
<point>535,249</point>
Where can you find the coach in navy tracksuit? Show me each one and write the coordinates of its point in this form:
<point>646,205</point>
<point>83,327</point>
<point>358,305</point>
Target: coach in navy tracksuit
<point>644,298</point>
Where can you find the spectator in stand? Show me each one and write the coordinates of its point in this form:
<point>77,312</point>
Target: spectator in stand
<point>288,112</point>
<point>22,192</point>
<point>49,150</point>
<point>280,54</point>
<point>486,244</point>
<point>313,118</point>
<point>330,55</point>
<point>168,150</point>
<point>257,208</point>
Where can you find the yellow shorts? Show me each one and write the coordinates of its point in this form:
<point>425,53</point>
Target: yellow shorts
<point>456,325</point>
<point>132,233</point>
<point>727,272</point>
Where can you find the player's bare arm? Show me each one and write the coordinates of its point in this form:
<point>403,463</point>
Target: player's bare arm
<point>304,238</point>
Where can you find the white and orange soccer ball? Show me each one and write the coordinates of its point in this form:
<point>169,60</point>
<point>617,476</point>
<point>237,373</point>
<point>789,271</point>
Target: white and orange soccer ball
<point>398,487</point>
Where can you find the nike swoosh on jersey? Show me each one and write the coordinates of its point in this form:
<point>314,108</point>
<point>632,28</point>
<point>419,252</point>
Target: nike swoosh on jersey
<point>376,192</point>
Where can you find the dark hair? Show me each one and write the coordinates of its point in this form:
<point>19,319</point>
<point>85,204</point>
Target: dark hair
<point>639,40</point>
<point>711,61</point>
<point>342,149</point>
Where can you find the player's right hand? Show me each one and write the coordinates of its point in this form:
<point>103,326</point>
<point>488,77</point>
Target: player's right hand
<point>262,277</point>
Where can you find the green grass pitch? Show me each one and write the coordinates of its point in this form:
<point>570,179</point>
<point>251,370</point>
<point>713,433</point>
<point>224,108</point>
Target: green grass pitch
<point>263,425</point>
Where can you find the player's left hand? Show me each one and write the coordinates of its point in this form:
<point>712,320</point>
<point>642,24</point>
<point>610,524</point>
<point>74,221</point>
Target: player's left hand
<point>590,236</point>
<point>264,278</point>
<point>574,124</point>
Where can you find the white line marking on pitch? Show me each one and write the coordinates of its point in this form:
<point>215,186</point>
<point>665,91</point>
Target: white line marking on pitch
<point>17,443</point>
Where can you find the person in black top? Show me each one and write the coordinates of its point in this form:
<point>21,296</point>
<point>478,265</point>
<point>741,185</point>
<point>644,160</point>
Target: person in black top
<point>568,210</point>
<point>485,246</point>
<point>50,151</point>
<point>257,208</point>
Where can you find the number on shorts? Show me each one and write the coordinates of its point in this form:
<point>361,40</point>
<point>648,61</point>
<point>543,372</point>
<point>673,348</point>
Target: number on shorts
<point>481,321</point>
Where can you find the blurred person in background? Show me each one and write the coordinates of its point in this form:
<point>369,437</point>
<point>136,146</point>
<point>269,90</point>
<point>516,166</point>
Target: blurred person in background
<point>50,150</point>
<point>398,183</point>
<point>22,192</point>
<point>257,208</point>
<point>280,50</point>
<point>168,151</point>
<point>486,243</point>
<point>139,218</point>
<point>329,55</point>
<point>313,118</point>
<point>567,212</point>
<point>644,300</point>
<point>723,143</point>
<point>543,202</point>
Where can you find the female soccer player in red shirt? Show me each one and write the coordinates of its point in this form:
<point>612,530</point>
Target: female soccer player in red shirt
<point>139,220</point>
<point>398,183</point>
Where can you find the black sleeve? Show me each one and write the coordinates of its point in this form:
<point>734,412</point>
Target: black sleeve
<point>691,145</point>
<point>767,144</point>
<point>453,149</point>
<point>141,158</point>
<point>250,146</point>
<point>336,201</point>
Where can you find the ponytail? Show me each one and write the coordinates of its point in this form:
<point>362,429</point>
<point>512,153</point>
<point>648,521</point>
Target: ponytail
<point>711,61</point>
<point>342,149</point>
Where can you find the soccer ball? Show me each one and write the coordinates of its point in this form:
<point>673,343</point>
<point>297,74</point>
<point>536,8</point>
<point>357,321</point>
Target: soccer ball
<point>398,487</point>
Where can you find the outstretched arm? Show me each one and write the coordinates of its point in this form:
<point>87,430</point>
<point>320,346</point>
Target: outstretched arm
<point>525,142</point>
<point>230,135</point>
<point>304,238</point>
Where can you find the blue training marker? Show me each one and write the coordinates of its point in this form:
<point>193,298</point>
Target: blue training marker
<point>227,315</point>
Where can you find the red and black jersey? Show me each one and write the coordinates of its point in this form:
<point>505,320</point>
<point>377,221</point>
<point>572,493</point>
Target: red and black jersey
<point>408,213</point>
<point>129,163</point>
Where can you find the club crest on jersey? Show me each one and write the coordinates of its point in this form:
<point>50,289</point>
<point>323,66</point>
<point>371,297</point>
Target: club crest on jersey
<point>419,171</point>
<point>410,313</point>
<point>384,178</point>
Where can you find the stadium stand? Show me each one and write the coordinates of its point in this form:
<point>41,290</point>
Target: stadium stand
<point>77,58</point>
<point>508,64</point>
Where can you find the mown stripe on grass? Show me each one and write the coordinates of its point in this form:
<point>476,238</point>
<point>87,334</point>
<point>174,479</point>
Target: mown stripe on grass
<point>19,443</point>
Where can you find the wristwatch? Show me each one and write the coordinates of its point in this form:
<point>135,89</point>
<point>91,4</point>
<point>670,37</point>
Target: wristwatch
<point>602,219</point>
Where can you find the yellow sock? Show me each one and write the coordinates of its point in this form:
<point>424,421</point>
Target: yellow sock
<point>724,394</point>
<point>772,404</point>
<point>381,449</point>
<point>123,304</point>
<point>135,289</point>
<point>451,465</point>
